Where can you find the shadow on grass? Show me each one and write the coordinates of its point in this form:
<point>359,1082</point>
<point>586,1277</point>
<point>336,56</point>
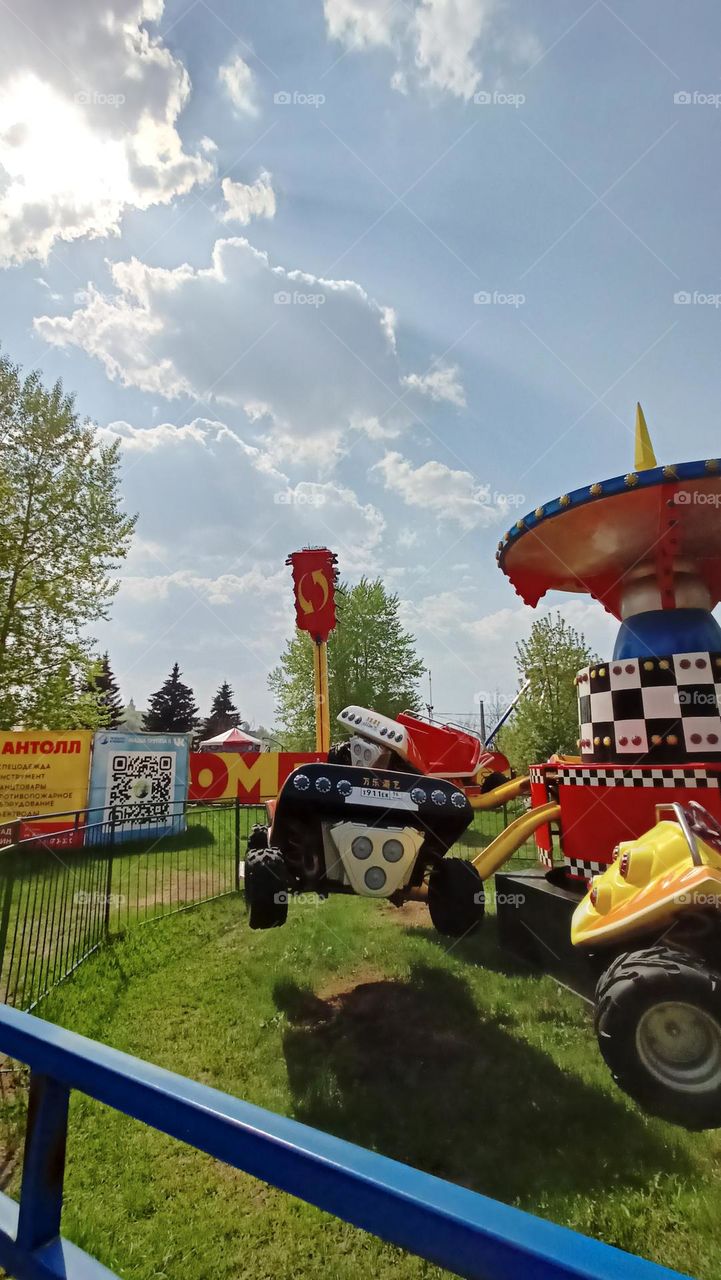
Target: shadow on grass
<point>480,948</point>
<point>411,1069</point>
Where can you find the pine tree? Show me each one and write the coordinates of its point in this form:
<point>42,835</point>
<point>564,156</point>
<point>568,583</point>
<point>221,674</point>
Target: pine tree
<point>103,688</point>
<point>223,714</point>
<point>172,709</point>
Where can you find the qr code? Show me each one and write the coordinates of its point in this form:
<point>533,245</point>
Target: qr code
<point>140,787</point>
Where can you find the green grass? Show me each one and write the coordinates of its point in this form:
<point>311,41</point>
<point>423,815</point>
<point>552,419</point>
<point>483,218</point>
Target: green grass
<point>360,1020</point>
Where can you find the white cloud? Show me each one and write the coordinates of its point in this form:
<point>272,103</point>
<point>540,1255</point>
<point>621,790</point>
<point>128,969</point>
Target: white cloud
<point>245,201</point>
<point>88,123</point>
<point>238,81</point>
<point>451,495</point>
<point>201,431</point>
<point>306,358</point>
<point>440,44</point>
<point>361,24</point>
<point>441,383</point>
<point>221,590</point>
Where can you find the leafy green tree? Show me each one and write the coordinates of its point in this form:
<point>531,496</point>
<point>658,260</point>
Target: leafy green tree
<point>223,714</point>
<point>172,709</point>
<point>103,686</point>
<point>63,534</point>
<point>371,662</point>
<point>546,718</point>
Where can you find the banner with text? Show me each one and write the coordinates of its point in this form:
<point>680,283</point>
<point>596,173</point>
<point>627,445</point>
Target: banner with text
<point>43,772</point>
<point>248,778</point>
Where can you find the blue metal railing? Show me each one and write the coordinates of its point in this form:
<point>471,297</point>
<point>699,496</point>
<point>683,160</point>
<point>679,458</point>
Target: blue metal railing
<point>460,1230</point>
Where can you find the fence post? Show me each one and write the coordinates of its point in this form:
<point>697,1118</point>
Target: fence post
<point>109,881</point>
<point>237,844</point>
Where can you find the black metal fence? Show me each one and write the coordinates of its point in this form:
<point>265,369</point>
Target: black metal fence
<point>58,902</point>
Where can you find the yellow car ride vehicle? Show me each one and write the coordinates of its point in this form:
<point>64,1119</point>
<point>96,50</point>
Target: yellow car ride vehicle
<point>652,921</point>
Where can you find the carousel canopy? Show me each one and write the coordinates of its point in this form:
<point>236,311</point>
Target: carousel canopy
<point>591,539</point>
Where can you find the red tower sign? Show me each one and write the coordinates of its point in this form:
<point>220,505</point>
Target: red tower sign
<point>314,578</point>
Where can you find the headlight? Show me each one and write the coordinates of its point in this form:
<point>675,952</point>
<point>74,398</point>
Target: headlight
<point>392,850</point>
<point>375,877</point>
<point>362,847</point>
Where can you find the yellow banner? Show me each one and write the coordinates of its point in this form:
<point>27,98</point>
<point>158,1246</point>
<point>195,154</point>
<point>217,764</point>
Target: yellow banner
<point>43,772</point>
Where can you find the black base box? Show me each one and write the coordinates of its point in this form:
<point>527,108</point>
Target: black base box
<point>534,910</point>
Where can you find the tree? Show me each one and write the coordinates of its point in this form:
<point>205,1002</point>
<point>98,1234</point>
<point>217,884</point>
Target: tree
<point>371,661</point>
<point>172,709</point>
<point>103,687</point>
<point>63,533</point>
<point>546,718</point>
<point>223,714</point>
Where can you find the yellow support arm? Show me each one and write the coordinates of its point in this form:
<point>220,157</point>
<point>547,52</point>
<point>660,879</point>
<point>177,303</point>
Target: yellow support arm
<point>499,850</point>
<point>499,795</point>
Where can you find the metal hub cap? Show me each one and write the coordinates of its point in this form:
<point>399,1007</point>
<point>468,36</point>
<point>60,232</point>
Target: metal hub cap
<point>680,1045</point>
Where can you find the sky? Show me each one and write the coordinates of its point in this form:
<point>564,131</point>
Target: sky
<point>378,276</point>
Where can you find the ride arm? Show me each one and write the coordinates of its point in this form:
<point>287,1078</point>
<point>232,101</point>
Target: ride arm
<point>500,850</point>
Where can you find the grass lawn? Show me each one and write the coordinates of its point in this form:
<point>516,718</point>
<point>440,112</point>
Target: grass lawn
<point>361,1020</point>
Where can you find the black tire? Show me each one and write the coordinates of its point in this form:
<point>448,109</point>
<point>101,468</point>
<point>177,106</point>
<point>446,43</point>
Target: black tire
<point>266,888</point>
<point>258,838</point>
<point>456,901</point>
<point>658,1022</point>
<point>492,781</point>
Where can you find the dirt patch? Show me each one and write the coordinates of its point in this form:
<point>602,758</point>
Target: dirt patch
<point>412,915</point>
<point>374,1011</point>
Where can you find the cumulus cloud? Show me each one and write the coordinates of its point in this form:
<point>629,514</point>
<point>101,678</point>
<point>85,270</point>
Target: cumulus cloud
<point>221,590</point>
<point>89,105</point>
<point>238,81</point>
<point>245,201</point>
<point>306,358</point>
<point>440,383</point>
<point>439,44</point>
<point>201,432</point>
<point>452,495</point>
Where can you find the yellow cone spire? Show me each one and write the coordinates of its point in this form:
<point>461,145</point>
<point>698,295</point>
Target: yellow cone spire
<point>645,457</point>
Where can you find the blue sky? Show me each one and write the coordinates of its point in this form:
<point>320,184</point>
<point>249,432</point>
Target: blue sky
<point>381,276</point>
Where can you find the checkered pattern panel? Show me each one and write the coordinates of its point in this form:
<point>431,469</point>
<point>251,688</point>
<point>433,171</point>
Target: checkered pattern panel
<point>545,859</point>
<point>584,868</point>
<point>656,709</point>
<point>536,775</point>
<point>655,777</point>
